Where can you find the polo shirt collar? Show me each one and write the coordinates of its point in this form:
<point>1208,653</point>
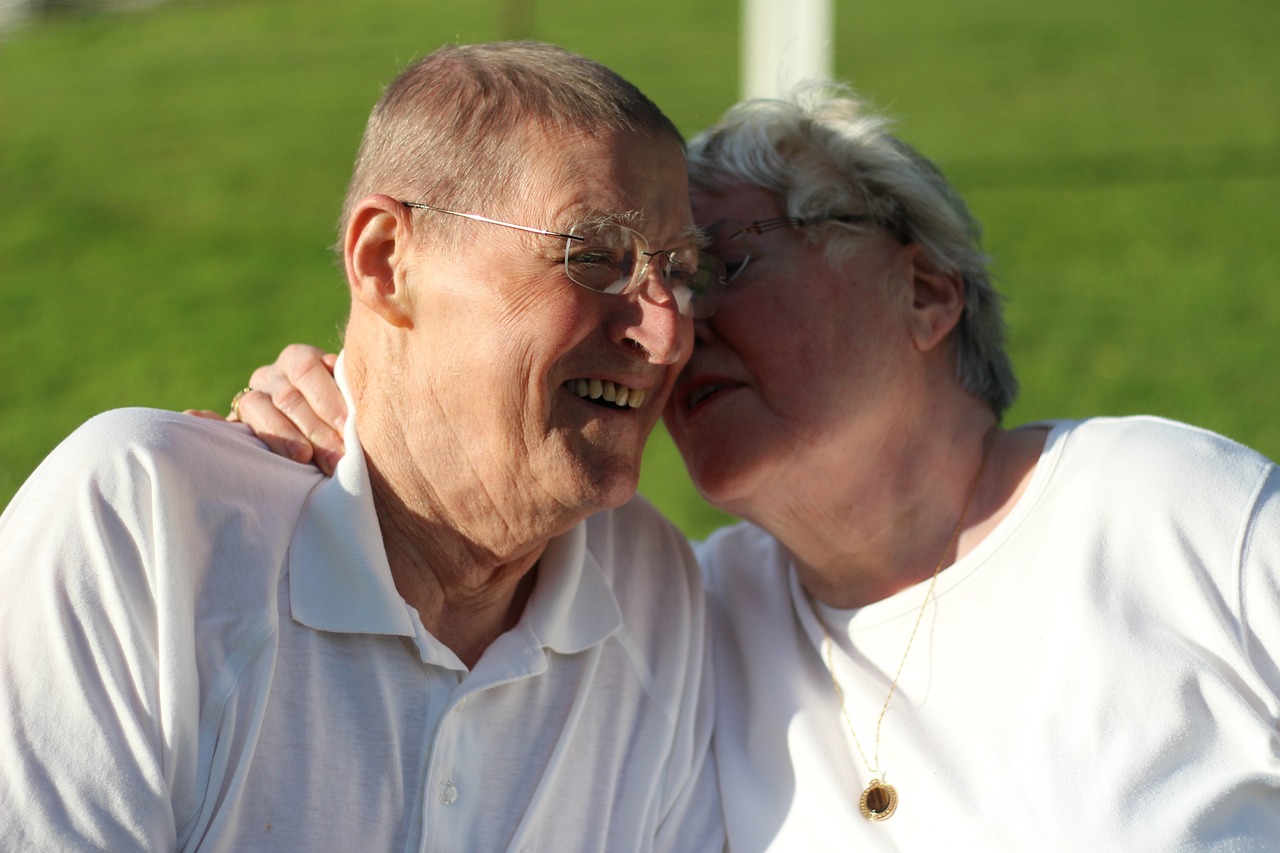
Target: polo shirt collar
<point>340,579</point>
<point>572,607</point>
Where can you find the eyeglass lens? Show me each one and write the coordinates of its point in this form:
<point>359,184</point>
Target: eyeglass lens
<point>605,257</point>
<point>612,258</point>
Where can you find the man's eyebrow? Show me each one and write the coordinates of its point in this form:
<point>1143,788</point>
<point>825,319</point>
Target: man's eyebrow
<point>628,218</point>
<point>690,234</point>
<point>696,236</point>
<point>711,230</point>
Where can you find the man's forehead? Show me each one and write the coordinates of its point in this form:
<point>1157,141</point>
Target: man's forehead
<point>626,178</point>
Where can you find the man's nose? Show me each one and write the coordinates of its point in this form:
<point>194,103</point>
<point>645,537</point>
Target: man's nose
<point>655,322</point>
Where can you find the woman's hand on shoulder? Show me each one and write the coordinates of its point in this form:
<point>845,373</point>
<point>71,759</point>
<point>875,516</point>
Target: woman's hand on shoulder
<point>294,406</point>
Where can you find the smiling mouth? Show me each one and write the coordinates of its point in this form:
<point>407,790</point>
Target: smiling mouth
<point>605,393</point>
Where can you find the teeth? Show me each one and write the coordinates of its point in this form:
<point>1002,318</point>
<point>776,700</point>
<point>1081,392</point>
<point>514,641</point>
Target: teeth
<point>612,392</point>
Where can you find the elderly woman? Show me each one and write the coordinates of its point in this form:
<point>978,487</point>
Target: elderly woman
<point>935,632</point>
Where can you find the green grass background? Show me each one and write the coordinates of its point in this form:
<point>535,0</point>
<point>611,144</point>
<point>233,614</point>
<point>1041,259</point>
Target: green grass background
<point>169,181</point>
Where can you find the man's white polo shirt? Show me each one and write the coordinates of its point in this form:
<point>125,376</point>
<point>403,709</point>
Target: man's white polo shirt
<point>201,647</point>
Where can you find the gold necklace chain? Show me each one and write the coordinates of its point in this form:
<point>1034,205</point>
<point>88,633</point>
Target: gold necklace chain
<point>879,800</point>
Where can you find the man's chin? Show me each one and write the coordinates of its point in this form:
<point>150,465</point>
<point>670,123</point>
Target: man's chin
<point>595,471</point>
<point>609,484</point>
<point>617,487</point>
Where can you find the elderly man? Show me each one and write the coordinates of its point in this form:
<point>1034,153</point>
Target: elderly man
<point>447,646</point>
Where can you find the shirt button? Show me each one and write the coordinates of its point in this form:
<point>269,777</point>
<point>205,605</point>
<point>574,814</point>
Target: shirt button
<point>448,793</point>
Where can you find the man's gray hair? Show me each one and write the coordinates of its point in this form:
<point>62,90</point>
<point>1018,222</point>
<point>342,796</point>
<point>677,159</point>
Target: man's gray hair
<point>451,129</point>
<point>822,151</point>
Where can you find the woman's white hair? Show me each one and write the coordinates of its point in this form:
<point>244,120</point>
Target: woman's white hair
<point>822,151</point>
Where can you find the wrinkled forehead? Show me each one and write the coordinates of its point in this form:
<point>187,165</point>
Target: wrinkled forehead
<point>575,176</point>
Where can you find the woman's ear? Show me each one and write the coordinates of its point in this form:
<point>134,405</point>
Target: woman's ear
<point>937,300</point>
<point>376,243</point>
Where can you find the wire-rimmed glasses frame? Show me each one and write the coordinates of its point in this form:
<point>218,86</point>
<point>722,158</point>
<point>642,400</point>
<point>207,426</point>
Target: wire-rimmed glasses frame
<point>602,256</point>
<point>762,226</point>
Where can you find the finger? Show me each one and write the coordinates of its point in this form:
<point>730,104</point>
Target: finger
<point>205,413</point>
<point>310,370</point>
<point>325,441</point>
<point>234,415</point>
<point>306,369</point>
<point>269,379</point>
<point>258,411</point>
<point>293,361</point>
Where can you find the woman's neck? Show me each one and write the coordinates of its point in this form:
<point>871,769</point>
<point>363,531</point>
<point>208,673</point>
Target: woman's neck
<point>894,516</point>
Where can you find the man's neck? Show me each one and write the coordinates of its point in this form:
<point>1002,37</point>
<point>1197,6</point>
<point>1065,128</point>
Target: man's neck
<point>465,593</point>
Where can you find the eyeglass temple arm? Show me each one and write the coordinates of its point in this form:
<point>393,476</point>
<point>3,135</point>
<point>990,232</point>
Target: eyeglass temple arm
<point>763,225</point>
<point>478,218</point>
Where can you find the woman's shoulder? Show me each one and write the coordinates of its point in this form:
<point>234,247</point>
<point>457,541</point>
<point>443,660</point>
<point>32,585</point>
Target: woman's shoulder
<point>1153,470</point>
<point>1154,446</point>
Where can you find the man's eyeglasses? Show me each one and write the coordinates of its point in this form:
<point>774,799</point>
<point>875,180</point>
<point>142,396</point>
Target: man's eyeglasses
<point>742,237</point>
<point>610,258</point>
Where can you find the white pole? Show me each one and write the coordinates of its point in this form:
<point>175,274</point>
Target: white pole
<point>784,42</point>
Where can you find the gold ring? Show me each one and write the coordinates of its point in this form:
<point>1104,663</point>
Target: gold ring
<point>235,402</point>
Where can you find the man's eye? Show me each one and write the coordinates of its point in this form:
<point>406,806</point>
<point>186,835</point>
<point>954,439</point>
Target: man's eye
<point>679,274</point>
<point>595,257</point>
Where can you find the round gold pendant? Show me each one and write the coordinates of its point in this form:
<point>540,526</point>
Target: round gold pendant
<point>878,801</point>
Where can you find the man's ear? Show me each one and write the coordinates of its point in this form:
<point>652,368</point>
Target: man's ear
<point>937,300</point>
<point>376,243</point>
